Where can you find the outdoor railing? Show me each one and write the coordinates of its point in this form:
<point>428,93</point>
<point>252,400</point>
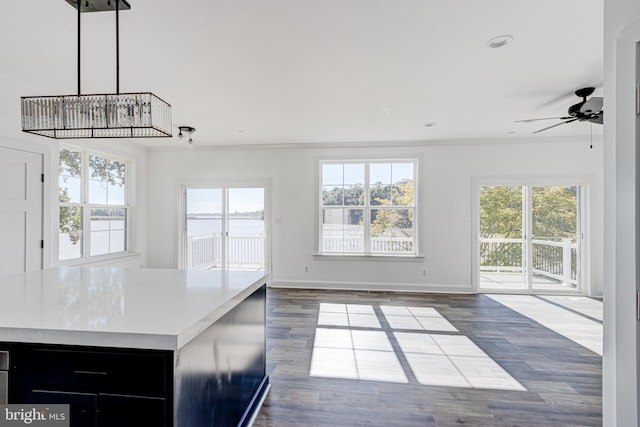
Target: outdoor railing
<point>556,260</point>
<point>205,252</point>
<point>378,244</point>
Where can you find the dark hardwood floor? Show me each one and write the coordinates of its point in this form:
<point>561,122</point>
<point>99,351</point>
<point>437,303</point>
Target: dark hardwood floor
<point>562,379</point>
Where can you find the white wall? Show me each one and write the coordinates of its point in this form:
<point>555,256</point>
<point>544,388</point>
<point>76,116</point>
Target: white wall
<point>620,373</point>
<point>137,187</point>
<point>446,173</point>
<point>49,149</point>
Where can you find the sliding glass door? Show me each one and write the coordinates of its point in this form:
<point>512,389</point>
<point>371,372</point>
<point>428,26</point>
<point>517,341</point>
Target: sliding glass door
<point>530,238</point>
<point>224,228</point>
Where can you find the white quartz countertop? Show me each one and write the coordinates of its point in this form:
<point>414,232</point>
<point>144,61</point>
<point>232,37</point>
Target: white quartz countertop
<point>113,307</point>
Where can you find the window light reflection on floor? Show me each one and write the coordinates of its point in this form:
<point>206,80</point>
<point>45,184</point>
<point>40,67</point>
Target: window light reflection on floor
<point>353,354</point>
<point>453,360</point>
<point>416,318</point>
<point>572,325</point>
<point>353,315</point>
<point>343,349</point>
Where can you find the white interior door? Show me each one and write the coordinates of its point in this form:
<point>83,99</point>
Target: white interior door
<point>20,211</point>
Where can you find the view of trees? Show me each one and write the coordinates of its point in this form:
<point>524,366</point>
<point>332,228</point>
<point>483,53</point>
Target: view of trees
<point>385,221</point>
<point>70,172</point>
<point>554,210</point>
<point>70,216</point>
<point>392,221</point>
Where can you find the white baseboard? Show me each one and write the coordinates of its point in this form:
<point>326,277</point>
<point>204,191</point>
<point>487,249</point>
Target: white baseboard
<point>371,286</point>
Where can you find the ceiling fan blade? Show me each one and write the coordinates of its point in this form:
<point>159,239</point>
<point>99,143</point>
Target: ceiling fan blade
<point>592,106</point>
<point>546,118</point>
<point>557,124</point>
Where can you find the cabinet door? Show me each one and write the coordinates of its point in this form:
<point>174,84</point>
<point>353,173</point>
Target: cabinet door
<point>131,411</point>
<point>82,405</point>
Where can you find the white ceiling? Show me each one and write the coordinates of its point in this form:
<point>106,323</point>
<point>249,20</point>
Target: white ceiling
<point>301,71</point>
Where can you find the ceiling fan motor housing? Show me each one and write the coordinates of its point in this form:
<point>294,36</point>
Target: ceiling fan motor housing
<point>574,110</point>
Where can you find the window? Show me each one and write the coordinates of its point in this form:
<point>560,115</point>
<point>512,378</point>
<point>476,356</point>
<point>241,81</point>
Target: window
<point>92,197</point>
<point>367,207</point>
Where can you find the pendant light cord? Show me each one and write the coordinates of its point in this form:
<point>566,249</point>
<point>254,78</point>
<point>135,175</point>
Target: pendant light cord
<point>79,13</point>
<point>117,46</point>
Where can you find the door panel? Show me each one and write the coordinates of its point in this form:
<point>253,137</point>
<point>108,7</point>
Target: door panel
<point>225,228</point>
<point>245,225</point>
<point>555,243</point>
<point>204,228</point>
<point>530,238</point>
<point>502,229</point>
<point>20,211</point>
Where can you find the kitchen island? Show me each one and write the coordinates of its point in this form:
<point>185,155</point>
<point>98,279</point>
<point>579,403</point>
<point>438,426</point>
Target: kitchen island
<point>156,347</point>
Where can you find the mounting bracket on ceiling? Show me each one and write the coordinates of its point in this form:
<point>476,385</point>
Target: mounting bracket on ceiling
<point>99,5</point>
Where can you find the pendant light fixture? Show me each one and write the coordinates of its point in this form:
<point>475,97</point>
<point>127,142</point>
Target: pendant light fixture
<point>112,115</point>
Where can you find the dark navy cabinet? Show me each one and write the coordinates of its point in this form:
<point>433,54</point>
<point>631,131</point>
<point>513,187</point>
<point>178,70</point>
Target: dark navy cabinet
<point>216,379</point>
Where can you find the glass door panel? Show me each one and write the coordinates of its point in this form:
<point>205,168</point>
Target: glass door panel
<point>530,238</point>
<point>204,228</point>
<point>555,244</point>
<point>246,229</point>
<point>224,228</point>
<point>502,248</point>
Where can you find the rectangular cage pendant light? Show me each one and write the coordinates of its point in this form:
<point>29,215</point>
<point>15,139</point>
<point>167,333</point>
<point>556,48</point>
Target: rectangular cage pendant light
<point>114,115</point>
<point>125,115</point>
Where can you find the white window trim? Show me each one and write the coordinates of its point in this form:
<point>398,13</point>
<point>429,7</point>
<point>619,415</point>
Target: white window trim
<point>86,209</point>
<point>584,182</point>
<point>357,256</point>
<point>266,184</point>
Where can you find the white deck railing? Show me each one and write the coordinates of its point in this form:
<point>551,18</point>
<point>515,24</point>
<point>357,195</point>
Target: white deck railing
<point>378,244</point>
<point>244,252</point>
<point>555,260</point>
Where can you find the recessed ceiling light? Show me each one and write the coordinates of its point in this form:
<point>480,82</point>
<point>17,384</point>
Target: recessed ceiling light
<point>430,124</point>
<point>499,41</point>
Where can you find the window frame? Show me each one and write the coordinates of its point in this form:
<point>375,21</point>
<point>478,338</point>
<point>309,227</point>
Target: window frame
<point>366,207</point>
<point>87,207</point>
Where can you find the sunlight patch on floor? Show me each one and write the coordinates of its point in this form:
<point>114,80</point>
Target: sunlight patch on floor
<point>416,318</point>
<point>453,360</point>
<point>354,354</point>
<point>586,332</point>
<point>587,306</point>
<point>350,315</point>
<point>343,348</point>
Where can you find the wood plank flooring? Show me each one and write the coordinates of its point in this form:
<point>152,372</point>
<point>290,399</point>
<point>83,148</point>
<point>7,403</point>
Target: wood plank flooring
<point>562,379</point>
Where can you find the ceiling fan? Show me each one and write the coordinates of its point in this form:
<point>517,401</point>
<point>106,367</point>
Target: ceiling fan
<point>587,110</point>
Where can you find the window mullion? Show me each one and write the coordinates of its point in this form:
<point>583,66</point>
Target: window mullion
<point>367,210</point>
<point>86,210</point>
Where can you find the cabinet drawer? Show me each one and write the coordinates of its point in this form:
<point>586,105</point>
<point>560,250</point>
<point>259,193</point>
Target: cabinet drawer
<point>143,373</point>
<point>4,360</point>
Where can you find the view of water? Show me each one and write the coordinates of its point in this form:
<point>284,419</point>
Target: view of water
<point>107,236</point>
<point>237,227</point>
<point>104,241</point>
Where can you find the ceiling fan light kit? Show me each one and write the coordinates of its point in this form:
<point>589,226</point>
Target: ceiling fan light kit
<point>113,115</point>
